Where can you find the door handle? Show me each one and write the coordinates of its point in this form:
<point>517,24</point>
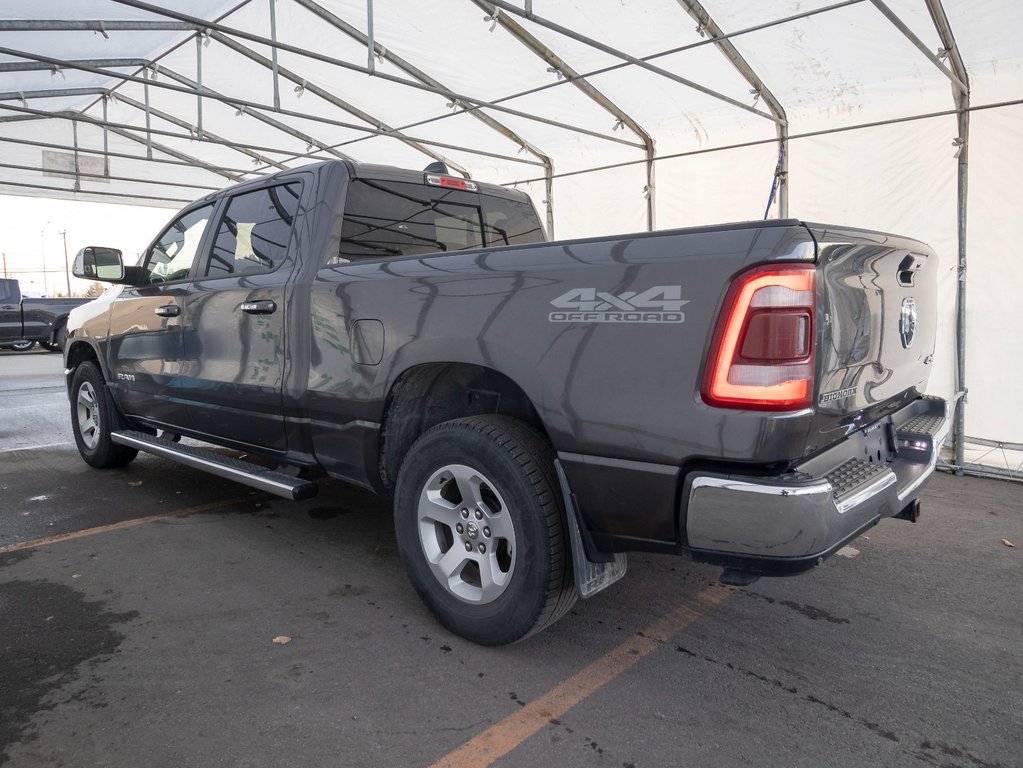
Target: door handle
<point>265,307</point>
<point>168,310</point>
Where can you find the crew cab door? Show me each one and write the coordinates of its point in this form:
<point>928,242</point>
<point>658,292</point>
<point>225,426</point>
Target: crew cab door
<point>10,311</point>
<point>144,352</point>
<point>233,320</point>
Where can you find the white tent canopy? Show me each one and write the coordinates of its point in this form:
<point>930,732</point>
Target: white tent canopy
<point>898,115</point>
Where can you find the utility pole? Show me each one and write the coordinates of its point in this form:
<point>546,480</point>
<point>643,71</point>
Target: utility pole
<point>5,264</point>
<point>67,269</point>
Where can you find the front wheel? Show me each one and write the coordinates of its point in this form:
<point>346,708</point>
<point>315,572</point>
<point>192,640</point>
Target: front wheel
<point>481,530</point>
<point>23,346</point>
<point>93,418</point>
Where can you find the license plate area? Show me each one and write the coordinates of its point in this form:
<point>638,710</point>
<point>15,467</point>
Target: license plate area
<point>877,447</point>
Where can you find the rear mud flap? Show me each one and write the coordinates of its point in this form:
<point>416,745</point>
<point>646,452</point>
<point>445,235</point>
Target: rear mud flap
<point>590,577</point>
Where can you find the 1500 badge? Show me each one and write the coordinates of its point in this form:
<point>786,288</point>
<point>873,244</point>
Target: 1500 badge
<point>660,304</point>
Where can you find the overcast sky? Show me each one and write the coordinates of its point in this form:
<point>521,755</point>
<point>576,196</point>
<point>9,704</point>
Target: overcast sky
<point>30,237</point>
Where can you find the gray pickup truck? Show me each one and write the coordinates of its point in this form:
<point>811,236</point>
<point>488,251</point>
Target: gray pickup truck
<point>747,395</point>
<point>25,321</point>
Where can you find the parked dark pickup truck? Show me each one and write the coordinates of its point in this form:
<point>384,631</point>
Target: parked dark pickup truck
<point>25,321</point>
<point>748,395</point>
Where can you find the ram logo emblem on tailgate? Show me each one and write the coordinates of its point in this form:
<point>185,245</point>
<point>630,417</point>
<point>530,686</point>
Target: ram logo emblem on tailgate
<point>907,321</point>
<point>660,304</point>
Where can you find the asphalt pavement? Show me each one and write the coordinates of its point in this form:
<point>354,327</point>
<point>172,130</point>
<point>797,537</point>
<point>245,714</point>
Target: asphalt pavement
<point>139,610</point>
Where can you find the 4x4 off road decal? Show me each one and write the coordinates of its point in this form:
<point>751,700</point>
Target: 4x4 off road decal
<point>660,304</point>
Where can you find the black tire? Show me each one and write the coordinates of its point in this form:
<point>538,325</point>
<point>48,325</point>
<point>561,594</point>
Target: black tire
<point>520,498</point>
<point>93,417</point>
<point>23,346</point>
<point>51,346</point>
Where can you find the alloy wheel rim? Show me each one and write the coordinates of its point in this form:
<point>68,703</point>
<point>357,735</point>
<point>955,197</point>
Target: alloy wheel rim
<point>467,534</point>
<point>88,415</point>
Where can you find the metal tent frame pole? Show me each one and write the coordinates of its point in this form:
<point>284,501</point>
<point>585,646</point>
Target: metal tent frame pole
<point>236,103</point>
<point>506,7</point>
<point>334,100</point>
<point>961,94</point>
<point>651,57</point>
<point>202,25</point>
<point>709,27</point>
<point>374,49</point>
<point>564,69</point>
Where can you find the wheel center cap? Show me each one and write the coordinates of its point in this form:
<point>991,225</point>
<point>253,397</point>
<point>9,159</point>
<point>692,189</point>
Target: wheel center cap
<point>472,530</point>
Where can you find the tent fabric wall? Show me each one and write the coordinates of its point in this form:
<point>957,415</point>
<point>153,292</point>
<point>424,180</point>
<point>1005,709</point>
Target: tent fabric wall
<point>508,110</point>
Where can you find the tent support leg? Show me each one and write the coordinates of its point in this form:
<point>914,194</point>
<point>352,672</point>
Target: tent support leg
<point>78,177</point>
<point>106,144</point>
<point>961,200</point>
<point>371,63</point>
<point>961,94</point>
<point>198,79</point>
<point>145,99</point>
<point>549,196</point>
<point>273,52</point>
<point>783,171</point>
<point>651,189</point>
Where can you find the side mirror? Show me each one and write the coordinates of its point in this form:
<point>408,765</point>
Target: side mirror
<point>103,264</point>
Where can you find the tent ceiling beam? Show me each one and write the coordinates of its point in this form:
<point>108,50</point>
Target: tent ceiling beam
<point>506,7</point>
<point>20,118</point>
<point>104,177</point>
<point>334,100</point>
<point>91,25</point>
<point>202,25</point>
<point>614,67</point>
<point>237,103</point>
<point>100,152</point>
<point>126,131</point>
<point>191,136</point>
<point>154,198</point>
<point>709,27</point>
<point>252,153</point>
<point>172,152</point>
<point>374,49</point>
<point>900,25</point>
<point>283,127</point>
<point>337,101</point>
<point>33,66</point>
<point>50,93</point>
<point>534,45</point>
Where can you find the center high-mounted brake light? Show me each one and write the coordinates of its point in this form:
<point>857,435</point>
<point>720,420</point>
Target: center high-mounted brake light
<point>762,355</point>
<point>452,182</point>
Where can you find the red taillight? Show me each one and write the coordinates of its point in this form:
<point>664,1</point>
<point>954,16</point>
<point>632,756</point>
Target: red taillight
<point>762,356</point>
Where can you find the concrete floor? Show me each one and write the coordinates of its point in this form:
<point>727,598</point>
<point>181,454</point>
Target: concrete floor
<point>150,641</point>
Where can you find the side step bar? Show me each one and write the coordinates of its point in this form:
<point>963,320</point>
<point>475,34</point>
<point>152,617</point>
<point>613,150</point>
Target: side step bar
<point>240,471</point>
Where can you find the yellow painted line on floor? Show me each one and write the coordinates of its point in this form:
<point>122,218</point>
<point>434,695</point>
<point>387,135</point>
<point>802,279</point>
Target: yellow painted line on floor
<point>122,525</point>
<point>503,737</point>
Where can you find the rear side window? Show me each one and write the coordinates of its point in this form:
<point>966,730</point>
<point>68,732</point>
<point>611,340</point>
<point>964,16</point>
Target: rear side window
<point>254,232</point>
<point>510,222</point>
<point>9,292</point>
<point>384,219</point>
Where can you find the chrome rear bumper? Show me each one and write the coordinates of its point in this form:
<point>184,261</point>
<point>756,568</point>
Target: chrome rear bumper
<point>797,519</point>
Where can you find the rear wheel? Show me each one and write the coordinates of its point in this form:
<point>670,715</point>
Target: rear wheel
<point>23,346</point>
<point>481,531</point>
<point>93,417</point>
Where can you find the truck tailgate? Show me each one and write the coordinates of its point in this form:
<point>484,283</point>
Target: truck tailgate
<point>876,329</point>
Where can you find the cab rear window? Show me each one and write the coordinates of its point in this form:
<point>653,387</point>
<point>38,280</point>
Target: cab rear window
<point>384,219</point>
